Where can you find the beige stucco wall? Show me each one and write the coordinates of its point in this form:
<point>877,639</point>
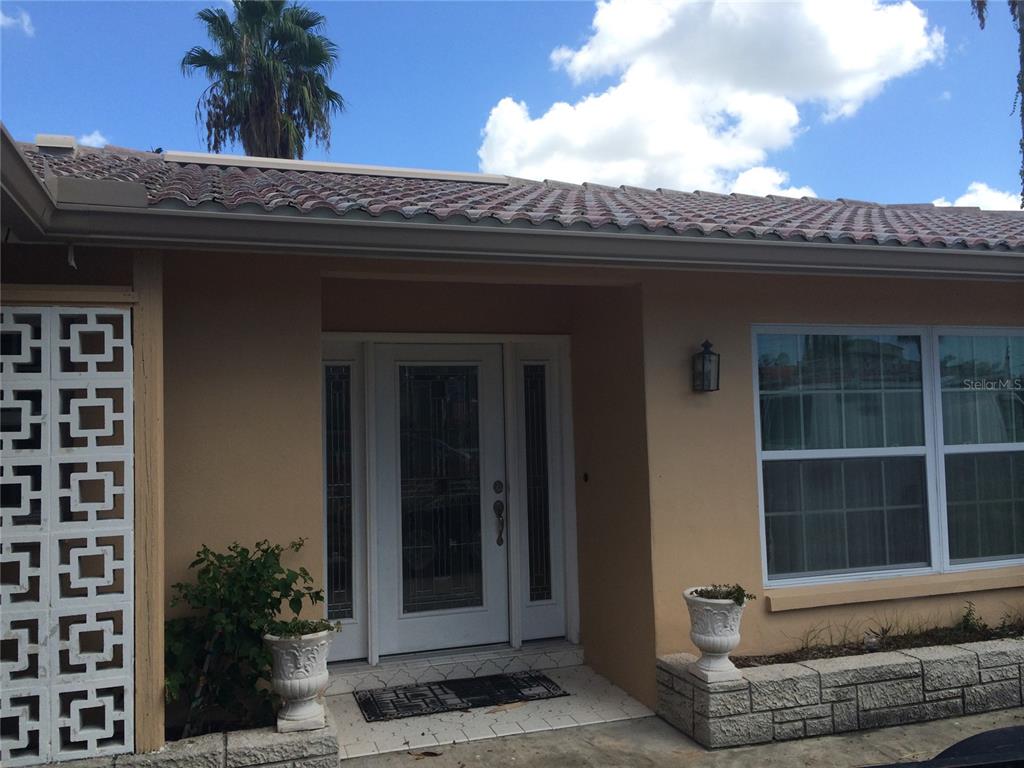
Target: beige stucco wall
<point>701,447</point>
<point>242,406</point>
<point>671,494</point>
<point>404,306</point>
<point>616,597</point>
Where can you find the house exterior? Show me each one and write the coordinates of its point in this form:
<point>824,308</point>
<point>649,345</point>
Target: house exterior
<point>472,396</point>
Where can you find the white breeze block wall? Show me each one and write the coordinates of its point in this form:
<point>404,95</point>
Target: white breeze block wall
<point>815,698</point>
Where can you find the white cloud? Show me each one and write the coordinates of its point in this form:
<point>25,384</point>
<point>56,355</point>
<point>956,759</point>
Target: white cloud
<point>946,96</point>
<point>763,180</point>
<point>981,195</point>
<point>94,139</point>
<point>703,91</point>
<point>20,20</point>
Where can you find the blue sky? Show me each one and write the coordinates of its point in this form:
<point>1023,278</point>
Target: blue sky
<point>470,85</point>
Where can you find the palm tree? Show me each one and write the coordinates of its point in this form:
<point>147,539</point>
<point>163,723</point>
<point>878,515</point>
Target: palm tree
<point>980,9</point>
<point>268,70</point>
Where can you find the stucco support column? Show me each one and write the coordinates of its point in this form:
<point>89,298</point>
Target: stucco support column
<point>148,337</point>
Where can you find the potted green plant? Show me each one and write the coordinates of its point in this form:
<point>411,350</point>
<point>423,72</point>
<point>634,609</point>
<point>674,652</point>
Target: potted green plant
<point>299,672</point>
<point>231,651</point>
<point>715,613</point>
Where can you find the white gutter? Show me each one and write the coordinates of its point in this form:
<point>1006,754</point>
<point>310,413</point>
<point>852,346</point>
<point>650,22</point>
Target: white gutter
<point>293,233</point>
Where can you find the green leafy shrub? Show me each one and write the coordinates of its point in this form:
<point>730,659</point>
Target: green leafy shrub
<point>971,622</point>
<point>217,665</point>
<point>733,592</point>
<point>299,627</point>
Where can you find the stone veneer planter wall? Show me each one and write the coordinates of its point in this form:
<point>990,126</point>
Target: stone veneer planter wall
<point>815,698</point>
<point>256,748</point>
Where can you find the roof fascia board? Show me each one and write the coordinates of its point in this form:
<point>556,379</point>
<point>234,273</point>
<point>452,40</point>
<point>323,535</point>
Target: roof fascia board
<point>191,229</point>
<point>94,192</point>
<point>22,187</point>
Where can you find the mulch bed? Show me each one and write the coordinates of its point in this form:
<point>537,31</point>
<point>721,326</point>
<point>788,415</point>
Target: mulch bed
<point>936,636</point>
<point>174,725</point>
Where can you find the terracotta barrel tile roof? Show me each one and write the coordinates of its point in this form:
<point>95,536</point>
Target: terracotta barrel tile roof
<point>532,203</point>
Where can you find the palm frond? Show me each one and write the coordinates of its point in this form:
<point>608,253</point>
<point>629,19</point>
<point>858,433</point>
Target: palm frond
<point>980,8</point>
<point>303,17</point>
<point>215,64</point>
<point>219,27</point>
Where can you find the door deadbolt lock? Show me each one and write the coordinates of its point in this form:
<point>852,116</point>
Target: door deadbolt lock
<point>498,486</point>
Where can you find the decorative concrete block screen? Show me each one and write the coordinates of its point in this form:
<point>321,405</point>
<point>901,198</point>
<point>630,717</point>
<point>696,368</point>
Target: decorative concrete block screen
<point>814,698</point>
<point>65,533</point>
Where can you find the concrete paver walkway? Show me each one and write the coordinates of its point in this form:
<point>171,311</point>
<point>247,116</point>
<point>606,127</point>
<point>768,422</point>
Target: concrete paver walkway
<point>651,743</point>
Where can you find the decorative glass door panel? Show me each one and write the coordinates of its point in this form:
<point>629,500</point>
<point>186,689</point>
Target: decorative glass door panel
<point>538,481</point>
<point>439,425</point>
<point>337,412</point>
<point>442,563</point>
<point>345,499</point>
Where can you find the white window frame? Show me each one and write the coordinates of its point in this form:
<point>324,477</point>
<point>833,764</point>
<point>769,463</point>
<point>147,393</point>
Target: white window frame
<point>933,450</point>
<point>942,450</point>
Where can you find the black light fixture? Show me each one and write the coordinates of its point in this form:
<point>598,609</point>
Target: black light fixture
<point>705,369</point>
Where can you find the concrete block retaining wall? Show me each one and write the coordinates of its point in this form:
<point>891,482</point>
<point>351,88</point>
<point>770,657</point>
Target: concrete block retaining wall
<point>814,698</point>
<point>257,748</point>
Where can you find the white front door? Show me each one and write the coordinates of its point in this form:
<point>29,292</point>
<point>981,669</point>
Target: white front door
<point>442,563</point>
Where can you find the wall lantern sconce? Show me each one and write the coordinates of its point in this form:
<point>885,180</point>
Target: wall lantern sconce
<point>705,369</point>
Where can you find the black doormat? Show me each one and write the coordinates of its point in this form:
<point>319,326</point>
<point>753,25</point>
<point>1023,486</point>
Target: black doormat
<point>452,695</point>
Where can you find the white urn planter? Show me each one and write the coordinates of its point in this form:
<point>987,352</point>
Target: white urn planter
<point>299,676</point>
<point>715,630</point>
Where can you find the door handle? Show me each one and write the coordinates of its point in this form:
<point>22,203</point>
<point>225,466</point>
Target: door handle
<point>499,512</point>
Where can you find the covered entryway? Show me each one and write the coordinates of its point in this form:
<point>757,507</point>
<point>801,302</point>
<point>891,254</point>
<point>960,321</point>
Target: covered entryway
<point>448,497</point>
<point>573,426</point>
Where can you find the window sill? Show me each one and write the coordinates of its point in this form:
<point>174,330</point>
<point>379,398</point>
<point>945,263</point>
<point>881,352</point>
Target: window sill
<point>878,590</point>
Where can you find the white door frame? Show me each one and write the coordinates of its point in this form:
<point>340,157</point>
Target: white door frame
<point>352,639</point>
<point>358,348</point>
